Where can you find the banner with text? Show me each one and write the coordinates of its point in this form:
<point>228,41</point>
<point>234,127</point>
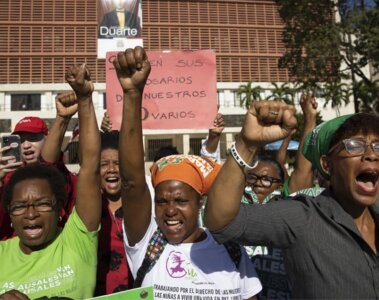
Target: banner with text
<point>180,93</point>
<point>120,25</point>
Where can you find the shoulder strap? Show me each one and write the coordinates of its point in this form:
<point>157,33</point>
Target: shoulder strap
<point>154,250</point>
<point>234,251</point>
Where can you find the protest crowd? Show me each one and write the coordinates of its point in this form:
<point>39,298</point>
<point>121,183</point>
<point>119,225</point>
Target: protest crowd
<point>192,227</point>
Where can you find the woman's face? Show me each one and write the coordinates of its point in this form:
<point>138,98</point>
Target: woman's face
<point>355,178</point>
<point>109,172</point>
<point>260,177</point>
<point>36,226</point>
<point>177,211</point>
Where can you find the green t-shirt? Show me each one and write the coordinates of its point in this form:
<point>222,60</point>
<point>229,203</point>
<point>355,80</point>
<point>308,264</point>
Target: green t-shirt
<point>66,268</point>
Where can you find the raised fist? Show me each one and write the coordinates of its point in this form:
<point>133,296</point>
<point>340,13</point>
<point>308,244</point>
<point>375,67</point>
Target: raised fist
<point>80,80</point>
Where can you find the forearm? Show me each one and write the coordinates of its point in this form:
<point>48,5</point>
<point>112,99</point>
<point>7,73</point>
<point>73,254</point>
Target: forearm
<point>302,175</point>
<point>212,142</point>
<point>136,201</point>
<point>132,164</point>
<point>224,199</point>
<point>51,150</point>
<point>88,200</point>
<point>89,140</point>
<point>281,156</point>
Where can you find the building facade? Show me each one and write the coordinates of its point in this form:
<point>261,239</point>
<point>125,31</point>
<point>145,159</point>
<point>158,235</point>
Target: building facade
<point>40,39</point>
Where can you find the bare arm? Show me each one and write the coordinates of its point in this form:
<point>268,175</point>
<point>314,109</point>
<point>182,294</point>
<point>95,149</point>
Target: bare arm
<point>302,175</point>
<point>281,156</point>
<point>133,69</point>
<point>88,195</point>
<point>215,133</point>
<point>266,121</point>
<point>51,150</point>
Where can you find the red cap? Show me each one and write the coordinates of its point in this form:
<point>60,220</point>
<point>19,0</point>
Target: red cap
<point>31,124</point>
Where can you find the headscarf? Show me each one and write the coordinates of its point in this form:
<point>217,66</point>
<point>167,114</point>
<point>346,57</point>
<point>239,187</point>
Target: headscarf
<point>317,142</point>
<point>197,172</point>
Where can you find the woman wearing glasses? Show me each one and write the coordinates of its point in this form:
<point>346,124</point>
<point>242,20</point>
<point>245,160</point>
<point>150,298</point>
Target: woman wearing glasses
<point>44,261</point>
<point>330,242</point>
<point>264,182</point>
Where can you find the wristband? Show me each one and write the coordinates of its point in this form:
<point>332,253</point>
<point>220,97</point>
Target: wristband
<point>239,160</point>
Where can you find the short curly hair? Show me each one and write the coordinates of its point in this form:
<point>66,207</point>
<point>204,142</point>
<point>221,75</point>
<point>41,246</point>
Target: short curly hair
<point>364,123</point>
<point>165,151</point>
<point>274,163</point>
<point>37,171</point>
<point>109,140</point>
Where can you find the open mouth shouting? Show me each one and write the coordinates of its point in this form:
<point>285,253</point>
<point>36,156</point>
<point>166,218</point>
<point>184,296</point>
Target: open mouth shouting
<point>367,181</point>
<point>112,182</point>
<point>33,231</point>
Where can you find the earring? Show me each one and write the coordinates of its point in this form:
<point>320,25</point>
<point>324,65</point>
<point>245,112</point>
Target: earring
<point>60,218</point>
<point>11,225</point>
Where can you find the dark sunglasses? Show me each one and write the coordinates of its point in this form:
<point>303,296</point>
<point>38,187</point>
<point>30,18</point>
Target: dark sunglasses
<point>31,137</point>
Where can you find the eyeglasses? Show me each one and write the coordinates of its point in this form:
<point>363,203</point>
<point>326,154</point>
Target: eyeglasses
<point>40,206</point>
<point>356,147</point>
<point>265,180</point>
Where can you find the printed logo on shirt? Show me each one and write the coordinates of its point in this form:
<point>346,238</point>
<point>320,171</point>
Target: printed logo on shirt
<point>175,265</point>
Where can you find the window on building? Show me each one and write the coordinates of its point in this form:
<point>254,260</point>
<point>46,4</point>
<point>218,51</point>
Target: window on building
<point>195,145</point>
<point>105,100</point>
<point>21,102</point>
<point>5,125</point>
<point>153,145</point>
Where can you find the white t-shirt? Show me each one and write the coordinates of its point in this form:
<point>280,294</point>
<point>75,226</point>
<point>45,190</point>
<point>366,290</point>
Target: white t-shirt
<point>195,269</point>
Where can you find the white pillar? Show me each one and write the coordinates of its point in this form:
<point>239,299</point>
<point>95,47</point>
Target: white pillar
<point>228,140</point>
<point>2,102</point>
<point>47,101</point>
<point>186,143</point>
<point>7,101</point>
<point>95,99</point>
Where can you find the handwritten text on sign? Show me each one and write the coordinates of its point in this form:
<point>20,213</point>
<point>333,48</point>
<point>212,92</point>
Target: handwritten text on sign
<point>181,90</point>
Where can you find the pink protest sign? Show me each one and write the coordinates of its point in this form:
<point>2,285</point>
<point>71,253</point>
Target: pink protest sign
<point>180,93</point>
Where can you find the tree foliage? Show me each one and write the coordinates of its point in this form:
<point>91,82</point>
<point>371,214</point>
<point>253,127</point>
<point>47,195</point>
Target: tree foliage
<point>247,94</point>
<point>323,50</point>
<point>283,92</point>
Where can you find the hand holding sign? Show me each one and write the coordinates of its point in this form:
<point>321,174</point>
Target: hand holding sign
<point>132,69</point>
